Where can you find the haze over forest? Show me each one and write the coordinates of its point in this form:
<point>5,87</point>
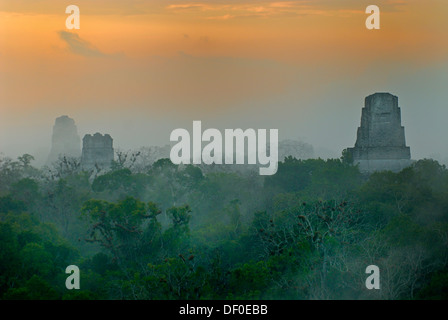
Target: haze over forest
<point>140,70</point>
<point>157,230</point>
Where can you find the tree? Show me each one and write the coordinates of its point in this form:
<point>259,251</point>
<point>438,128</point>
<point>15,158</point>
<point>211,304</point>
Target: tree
<point>27,191</point>
<point>292,175</point>
<point>347,157</point>
<point>176,238</point>
<point>325,234</point>
<point>122,228</point>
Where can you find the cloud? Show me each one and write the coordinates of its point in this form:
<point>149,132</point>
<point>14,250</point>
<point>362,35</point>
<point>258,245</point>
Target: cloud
<point>239,8</point>
<point>224,17</point>
<point>201,6</point>
<point>79,46</point>
<point>266,8</point>
<point>87,7</point>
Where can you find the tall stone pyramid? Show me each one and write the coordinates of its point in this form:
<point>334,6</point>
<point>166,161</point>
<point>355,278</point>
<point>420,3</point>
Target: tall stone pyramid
<point>380,143</point>
<point>65,140</point>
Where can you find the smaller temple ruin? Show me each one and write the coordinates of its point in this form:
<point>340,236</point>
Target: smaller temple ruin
<point>65,140</point>
<point>97,151</point>
<point>380,143</point>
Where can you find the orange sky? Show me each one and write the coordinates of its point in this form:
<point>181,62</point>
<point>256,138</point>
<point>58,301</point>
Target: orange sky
<point>179,59</point>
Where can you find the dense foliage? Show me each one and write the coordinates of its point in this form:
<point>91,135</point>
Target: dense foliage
<point>181,232</point>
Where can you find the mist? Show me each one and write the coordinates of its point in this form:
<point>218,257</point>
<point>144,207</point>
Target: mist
<point>141,226</point>
<point>327,116</point>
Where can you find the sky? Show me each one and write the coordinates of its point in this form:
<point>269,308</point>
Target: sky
<point>138,69</point>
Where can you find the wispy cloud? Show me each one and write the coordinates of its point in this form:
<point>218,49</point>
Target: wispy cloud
<point>261,8</point>
<point>80,46</point>
<point>234,9</point>
<point>244,9</point>
<point>198,6</point>
<point>224,17</point>
<point>87,7</point>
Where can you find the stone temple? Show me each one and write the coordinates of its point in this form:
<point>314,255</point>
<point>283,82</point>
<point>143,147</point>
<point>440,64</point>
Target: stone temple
<point>65,140</point>
<point>97,151</point>
<point>380,143</point>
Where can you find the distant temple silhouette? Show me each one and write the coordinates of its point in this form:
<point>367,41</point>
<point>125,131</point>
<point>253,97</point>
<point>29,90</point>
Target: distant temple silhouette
<point>380,143</point>
<point>97,150</point>
<point>65,140</point>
